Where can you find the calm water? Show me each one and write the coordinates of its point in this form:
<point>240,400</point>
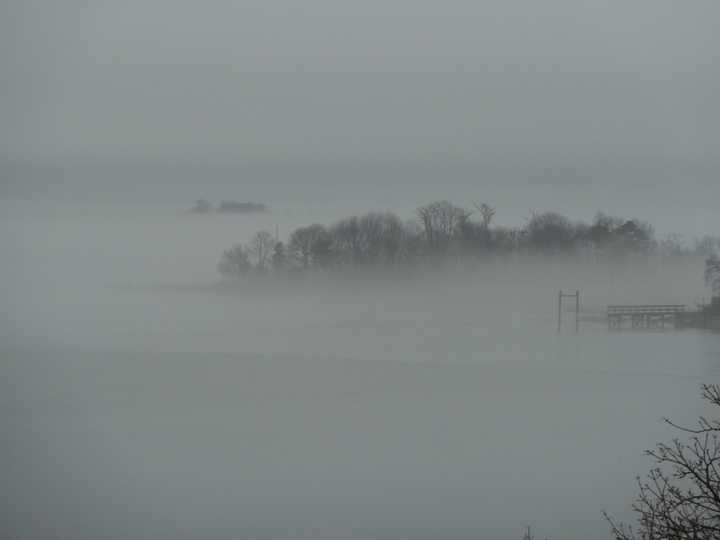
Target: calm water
<point>142,400</point>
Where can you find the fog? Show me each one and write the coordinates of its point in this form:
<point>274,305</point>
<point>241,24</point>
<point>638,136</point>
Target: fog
<point>144,395</point>
<point>380,79</point>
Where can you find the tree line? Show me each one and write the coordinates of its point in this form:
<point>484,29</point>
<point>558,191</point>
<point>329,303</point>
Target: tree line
<point>442,231</point>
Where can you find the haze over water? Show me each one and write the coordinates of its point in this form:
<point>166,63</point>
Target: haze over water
<point>143,397</point>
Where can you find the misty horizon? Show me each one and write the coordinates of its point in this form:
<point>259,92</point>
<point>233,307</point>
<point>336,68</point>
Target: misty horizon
<point>379,80</point>
<point>229,307</point>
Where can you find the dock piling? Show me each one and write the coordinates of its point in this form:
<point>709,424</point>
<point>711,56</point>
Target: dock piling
<point>576,296</point>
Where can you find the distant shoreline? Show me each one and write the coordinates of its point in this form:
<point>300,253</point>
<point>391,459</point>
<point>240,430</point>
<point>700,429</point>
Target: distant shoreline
<point>228,207</point>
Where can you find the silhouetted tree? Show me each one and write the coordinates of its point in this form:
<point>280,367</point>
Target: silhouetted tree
<point>259,249</point>
<point>300,246</point>
<point>372,239</point>
<point>707,246</point>
<point>348,240</point>
<point>602,228</point>
<point>322,250</point>
<point>440,221</point>
<point>550,232</point>
<point>234,262</point>
<point>372,234</point>
<point>680,497</point>
<point>487,213</point>
<point>279,258</point>
<point>712,273</point>
<point>444,230</point>
<point>617,236</point>
<point>393,236</point>
<point>635,236</point>
<point>412,246</point>
<point>505,240</point>
<point>472,237</point>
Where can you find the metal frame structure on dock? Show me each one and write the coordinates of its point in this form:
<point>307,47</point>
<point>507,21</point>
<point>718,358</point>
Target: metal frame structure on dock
<point>645,316</point>
<point>576,296</point>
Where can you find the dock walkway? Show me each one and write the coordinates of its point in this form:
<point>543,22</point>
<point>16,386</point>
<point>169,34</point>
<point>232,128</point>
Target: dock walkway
<point>645,316</point>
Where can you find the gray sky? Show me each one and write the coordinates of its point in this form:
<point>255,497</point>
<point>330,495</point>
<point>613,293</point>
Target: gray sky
<point>373,79</point>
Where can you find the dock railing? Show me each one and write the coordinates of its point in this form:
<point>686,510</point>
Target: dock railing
<point>645,316</point>
<point>652,309</point>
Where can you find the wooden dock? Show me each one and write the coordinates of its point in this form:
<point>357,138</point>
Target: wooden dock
<point>646,316</point>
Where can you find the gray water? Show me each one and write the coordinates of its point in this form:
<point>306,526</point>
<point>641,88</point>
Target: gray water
<point>144,398</point>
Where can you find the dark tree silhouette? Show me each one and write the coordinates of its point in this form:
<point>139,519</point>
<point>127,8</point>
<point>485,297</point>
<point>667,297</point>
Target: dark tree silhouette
<point>260,248</point>
<point>487,213</point>
<point>442,231</point>
<point>602,231</point>
<point>322,250</point>
<point>635,236</point>
<point>680,497</point>
<point>550,232</point>
<point>349,241</point>
<point>371,239</point>
<point>712,273</point>
<point>440,221</point>
<point>619,236</point>
<point>301,243</point>
<point>279,257</point>
<point>707,246</point>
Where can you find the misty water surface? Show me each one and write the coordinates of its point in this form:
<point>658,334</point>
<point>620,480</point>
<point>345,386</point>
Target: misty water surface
<point>144,398</point>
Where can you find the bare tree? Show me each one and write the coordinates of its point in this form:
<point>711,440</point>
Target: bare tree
<point>302,241</point>
<point>348,238</point>
<point>372,231</point>
<point>323,250</point>
<point>680,497</point>
<point>260,247</point>
<point>636,236</point>
<point>707,245</point>
<point>279,257</point>
<point>440,221</point>
<point>371,239</point>
<point>487,213</point>
<point>712,273</point>
<point>618,236</point>
<point>411,243</point>
<point>392,238</point>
